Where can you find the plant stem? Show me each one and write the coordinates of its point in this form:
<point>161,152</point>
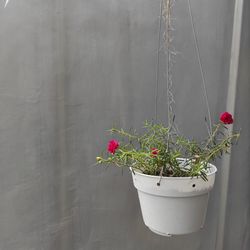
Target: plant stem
<point>212,136</point>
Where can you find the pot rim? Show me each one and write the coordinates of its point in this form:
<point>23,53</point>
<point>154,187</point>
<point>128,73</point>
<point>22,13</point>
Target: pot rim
<point>212,170</point>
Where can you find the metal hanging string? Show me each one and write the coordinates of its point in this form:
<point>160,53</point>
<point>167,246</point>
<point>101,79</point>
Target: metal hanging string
<point>166,10</point>
<point>170,53</point>
<point>158,61</point>
<point>165,13</point>
<point>201,67</point>
<point>168,5</point>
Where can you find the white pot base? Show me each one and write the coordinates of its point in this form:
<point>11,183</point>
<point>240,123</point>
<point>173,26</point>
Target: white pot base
<point>160,233</point>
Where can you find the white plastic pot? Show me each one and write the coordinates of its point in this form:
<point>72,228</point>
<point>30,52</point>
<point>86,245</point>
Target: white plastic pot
<point>178,205</point>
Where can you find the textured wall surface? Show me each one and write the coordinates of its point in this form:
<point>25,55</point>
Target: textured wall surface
<point>69,70</point>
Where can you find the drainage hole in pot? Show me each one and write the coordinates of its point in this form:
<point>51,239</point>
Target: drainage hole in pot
<point>193,185</point>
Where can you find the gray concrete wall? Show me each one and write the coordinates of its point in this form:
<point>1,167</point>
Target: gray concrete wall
<point>69,70</point>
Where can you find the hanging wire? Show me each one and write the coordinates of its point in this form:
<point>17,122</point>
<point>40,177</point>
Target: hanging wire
<point>166,11</point>
<point>168,40</point>
<point>201,67</point>
<point>165,14</point>
<point>170,53</point>
<point>158,61</point>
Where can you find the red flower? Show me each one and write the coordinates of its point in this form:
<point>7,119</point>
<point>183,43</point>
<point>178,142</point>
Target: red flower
<point>112,146</point>
<point>226,118</point>
<point>154,151</point>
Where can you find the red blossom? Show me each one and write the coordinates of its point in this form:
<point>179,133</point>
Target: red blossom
<point>226,118</point>
<point>154,151</point>
<point>112,146</point>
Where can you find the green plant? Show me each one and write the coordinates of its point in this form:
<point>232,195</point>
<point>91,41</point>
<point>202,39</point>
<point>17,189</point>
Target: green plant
<point>157,151</point>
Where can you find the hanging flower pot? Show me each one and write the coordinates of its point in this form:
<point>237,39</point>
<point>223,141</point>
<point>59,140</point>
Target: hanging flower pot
<point>172,174</point>
<point>173,205</point>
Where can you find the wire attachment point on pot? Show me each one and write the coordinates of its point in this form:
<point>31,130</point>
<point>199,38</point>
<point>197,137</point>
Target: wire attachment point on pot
<point>159,182</point>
